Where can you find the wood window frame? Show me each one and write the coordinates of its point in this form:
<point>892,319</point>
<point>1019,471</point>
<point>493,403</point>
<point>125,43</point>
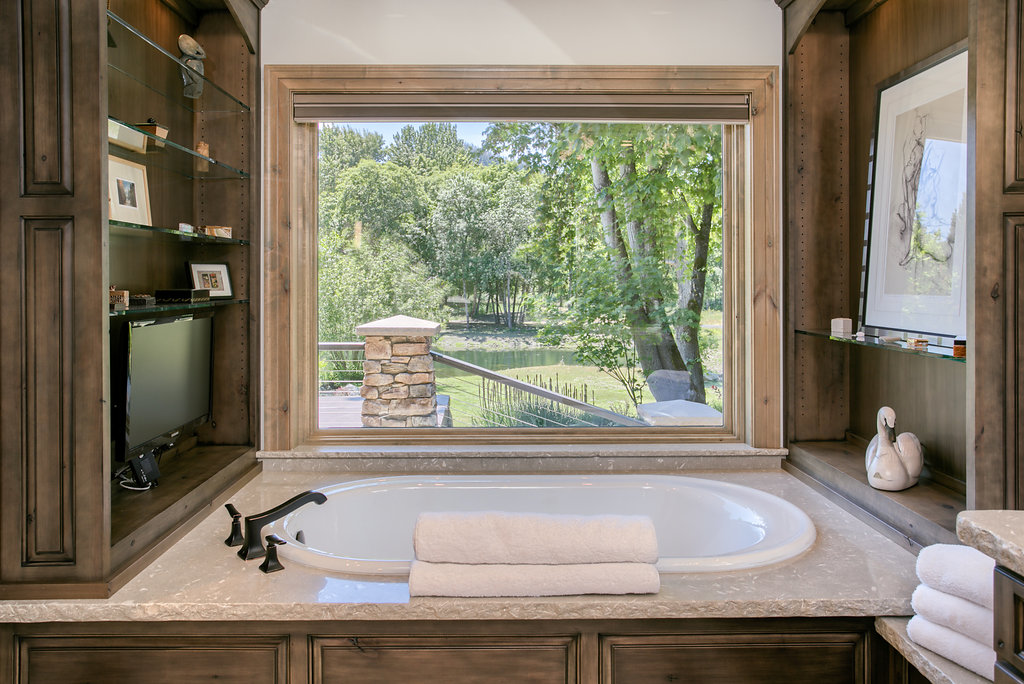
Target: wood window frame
<point>289,326</point>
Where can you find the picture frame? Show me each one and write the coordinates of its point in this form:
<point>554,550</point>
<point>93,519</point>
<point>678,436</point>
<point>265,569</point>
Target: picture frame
<point>212,277</point>
<point>915,276</point>
<point>127,191</point>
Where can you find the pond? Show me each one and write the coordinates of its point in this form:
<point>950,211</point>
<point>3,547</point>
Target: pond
<point>504,359</point>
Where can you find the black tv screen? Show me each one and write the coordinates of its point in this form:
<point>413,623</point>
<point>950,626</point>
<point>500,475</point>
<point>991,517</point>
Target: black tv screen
<point>160,377</point>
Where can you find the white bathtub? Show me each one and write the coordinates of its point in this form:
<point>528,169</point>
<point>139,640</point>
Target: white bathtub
<point>366,526</point>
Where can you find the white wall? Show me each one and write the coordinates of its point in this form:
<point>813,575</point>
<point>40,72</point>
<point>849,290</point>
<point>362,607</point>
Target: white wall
<point>586,32</point>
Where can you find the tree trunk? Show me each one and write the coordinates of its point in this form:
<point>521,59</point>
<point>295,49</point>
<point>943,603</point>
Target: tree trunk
<point>691,297</point>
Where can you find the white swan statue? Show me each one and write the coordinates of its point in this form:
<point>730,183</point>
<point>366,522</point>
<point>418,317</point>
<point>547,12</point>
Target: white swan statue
<point>893,463</point>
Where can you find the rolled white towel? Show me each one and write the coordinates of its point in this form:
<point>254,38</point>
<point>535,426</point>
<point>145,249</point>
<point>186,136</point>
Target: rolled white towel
<point>534,538</point>
<point>457,579</point>
<point>960,615</point>
<point>958,570</point>
<point>954,646</point>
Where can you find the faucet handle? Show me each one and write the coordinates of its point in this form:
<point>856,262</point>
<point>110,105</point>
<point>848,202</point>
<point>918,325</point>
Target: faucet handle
<point>235,538</point>
<point>271,563</point>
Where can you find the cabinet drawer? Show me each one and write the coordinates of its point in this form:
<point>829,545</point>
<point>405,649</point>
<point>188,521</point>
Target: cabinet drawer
<point>154,660</point>
<point>728,658</point>
<point>452,660</point>
<point>1009,616</point>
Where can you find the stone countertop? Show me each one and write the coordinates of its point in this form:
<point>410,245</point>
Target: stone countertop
<point>1000,534</point>
<point>934,667</point>
<point>850,571</point>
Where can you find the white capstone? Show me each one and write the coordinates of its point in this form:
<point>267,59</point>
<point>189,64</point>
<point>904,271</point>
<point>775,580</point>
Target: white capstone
<point>400,325</point>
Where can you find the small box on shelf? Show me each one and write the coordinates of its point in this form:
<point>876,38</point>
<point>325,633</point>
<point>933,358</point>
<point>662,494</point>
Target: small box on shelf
<point>182,296</point>
<point>156,130</point>
<point>216,231</point>
<point>118,299</point>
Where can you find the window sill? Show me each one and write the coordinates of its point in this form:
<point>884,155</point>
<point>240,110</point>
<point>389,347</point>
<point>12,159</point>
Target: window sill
<point>525,458</point>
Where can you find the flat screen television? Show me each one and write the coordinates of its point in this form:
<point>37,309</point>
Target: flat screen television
<point>160,377</point>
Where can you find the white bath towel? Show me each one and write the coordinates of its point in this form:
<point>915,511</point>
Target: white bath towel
<point>958,570</point>
<point>958,614</point>
<point>534,538</point>
<point>456,579</point>
<point>963,651</point>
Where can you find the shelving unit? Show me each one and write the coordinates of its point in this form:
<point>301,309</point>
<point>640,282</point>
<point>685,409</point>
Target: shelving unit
<point>874,342</point>
<point>145,83</point>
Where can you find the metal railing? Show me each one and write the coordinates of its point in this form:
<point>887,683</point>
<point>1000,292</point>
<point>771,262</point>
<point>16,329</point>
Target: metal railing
<point>478,396</point>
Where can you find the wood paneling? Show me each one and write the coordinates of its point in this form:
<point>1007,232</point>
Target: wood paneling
<point>454,660</point>
<point>46,98</point>
<point>1014,231</point>
<point>1014,164</point>
<point>46,291</point>
<point>721,659</point>
<point>817,221</point>
<point>167,660</point>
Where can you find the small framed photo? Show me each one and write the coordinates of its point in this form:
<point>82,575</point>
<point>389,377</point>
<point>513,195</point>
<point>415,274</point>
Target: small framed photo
<point>128,192</point>
<point>212,277</point>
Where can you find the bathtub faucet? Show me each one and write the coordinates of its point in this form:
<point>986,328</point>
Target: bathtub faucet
<point>252,547</point>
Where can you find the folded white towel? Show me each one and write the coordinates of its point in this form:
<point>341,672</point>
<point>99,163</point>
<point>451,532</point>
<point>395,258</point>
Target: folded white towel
<point>954,646</point>
<point>960,615</point>
<point>455,579</point>
<point>534,538</point>
<point>958,570</point>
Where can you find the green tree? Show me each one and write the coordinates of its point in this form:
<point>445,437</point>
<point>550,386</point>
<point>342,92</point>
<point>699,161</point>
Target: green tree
<point>428,147</point>
<point>459,230</point>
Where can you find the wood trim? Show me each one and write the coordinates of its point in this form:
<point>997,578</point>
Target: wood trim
<point>1014,231</point>
<point>797,18</point>
<point>288,301</point>
<point>1014,130</point>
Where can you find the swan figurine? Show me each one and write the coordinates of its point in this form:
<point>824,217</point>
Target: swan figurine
<point>893,463</point>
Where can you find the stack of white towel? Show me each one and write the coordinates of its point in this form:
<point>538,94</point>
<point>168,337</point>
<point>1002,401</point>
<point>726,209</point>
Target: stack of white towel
<point>953,606</point>
<point>526,554</point>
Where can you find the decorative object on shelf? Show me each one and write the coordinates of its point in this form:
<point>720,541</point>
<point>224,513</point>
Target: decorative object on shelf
<point>889,339</point>
<point>202,148</point>
<point>182,296</point>
<point>216,231</point>
<point>842,326</point>
<point>186,228</point>
<point>916,257</point>
<point>141,300</point>
<point>192,56</point>
<point>893,463</point>
<point>156,130</point>
<point>860,337</point>
<point>917,343</point>
<point>212,277</point>
<point>123,136</point>
<point>128,191</point>
<point>960,349</point>
<point>118,299</point>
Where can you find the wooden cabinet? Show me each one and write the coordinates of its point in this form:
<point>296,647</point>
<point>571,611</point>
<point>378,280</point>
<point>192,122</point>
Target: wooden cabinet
<point>710,651</point>
<point>1009,625</point>
<point>70,71</point>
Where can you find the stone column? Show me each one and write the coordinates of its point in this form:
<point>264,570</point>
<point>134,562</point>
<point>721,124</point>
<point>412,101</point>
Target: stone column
<point>398,373</point>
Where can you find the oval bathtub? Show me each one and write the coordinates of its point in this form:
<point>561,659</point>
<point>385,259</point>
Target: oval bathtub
<point>366,526</point>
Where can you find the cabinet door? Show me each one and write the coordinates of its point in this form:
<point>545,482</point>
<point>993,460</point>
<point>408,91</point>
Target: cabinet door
<point>727,658</point>
<point>452,660</point>
<point>153,660</point>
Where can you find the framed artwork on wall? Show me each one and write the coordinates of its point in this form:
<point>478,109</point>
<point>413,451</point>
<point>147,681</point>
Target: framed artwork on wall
<point>916,259</point>
<point>127,191</point>
<point>212,277</point>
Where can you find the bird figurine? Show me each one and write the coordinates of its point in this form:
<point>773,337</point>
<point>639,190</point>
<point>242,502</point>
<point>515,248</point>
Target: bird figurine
<point>893,463</point>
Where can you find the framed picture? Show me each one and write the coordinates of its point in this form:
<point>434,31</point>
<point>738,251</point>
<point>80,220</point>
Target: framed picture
<point>212,277</point>
<point>127,191</point>
<point>917,241</point>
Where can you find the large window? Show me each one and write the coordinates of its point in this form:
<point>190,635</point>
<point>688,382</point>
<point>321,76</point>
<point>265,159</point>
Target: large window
<point>576,268</point>
<point>587,253</point>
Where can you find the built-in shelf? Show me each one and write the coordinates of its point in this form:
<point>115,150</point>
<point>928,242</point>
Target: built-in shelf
<point>159,70</point>
<point>933,351</point>
<point>926,512</point>
<point>166,154</point>
<point>125,228</point>
<point>174,308</point>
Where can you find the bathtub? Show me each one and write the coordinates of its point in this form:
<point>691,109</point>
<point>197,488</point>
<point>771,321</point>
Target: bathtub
<point>366,526</point>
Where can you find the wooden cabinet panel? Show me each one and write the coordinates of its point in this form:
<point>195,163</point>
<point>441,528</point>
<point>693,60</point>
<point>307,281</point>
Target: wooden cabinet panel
<point>1009,619</point>
<point>166,660</point>
<point>1014,173</point>
<point>453,660</point>
<point>729,658</point>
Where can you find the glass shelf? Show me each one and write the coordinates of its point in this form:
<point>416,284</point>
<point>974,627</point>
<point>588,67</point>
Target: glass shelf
<point>934,351</point>
<point>162,309</point>
<point>175,158</point>
<point>125,228</point>
<point>140,71</point>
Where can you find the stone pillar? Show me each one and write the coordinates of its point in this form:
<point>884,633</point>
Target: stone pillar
<point>398,373</point>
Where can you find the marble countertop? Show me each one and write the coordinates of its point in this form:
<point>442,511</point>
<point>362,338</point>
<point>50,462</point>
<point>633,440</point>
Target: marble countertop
<point>851,570</point>
<point>1000,534</point>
